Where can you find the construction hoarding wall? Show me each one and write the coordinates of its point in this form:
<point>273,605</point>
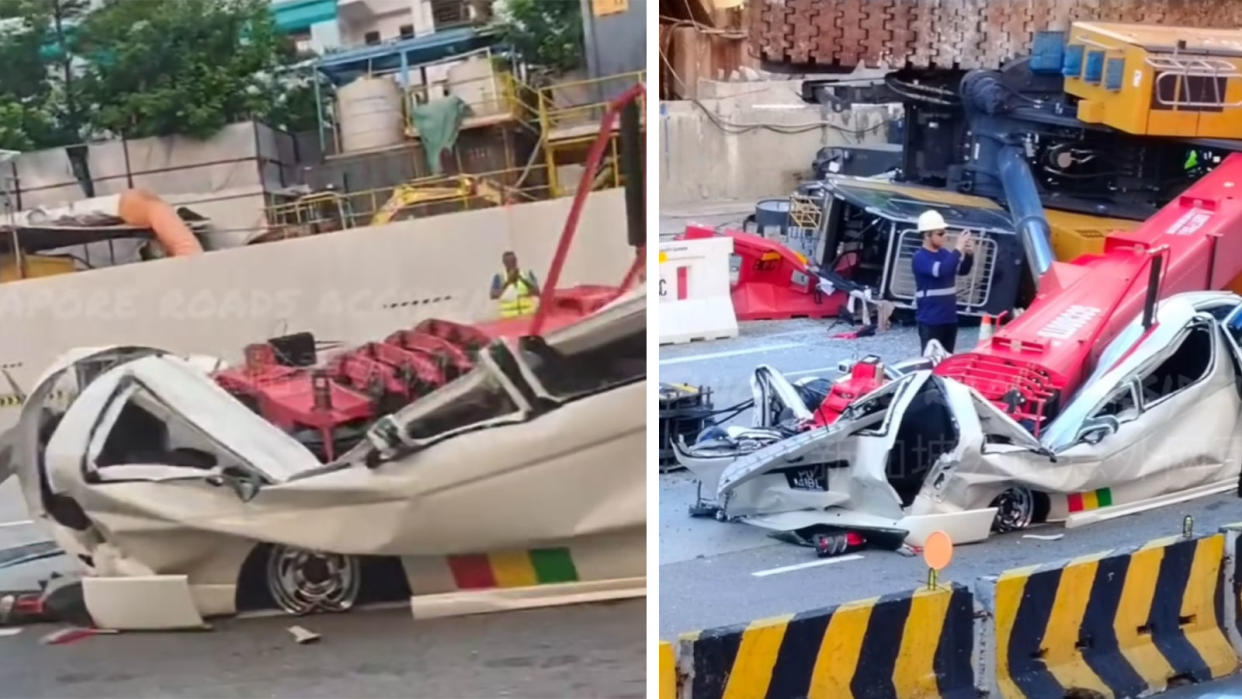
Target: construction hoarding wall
<point>350,286</point>
<point>224,177</point>
<point>720,147</point>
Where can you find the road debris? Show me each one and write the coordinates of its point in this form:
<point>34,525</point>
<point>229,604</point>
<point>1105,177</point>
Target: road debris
<point>70,634</point>
<point>303,636</point>
<point>1043,537</point>
<point>12,631</point>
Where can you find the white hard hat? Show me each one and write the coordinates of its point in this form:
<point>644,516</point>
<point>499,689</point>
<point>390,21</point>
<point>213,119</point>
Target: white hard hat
<point>931,221</point>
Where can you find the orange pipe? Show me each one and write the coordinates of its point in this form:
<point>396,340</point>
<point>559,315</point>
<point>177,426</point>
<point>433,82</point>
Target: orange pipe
<point>144,209</point>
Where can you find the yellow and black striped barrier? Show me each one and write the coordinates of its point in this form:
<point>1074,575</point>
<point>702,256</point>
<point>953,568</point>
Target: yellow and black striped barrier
<point>1122,623</point>
<point>668,671</point>
<point>1232,616</point>
<point>912,644</point>
<point>13,400</point>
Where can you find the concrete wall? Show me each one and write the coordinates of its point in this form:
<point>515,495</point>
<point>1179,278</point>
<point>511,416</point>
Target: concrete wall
<point>352,286</point>
<point>699,161</point>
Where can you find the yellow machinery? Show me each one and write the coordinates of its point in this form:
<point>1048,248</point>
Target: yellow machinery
<point>323,212</point>
<point>1076,234</point>
<point>1156,80</point>
<point>407,196</point>
<point>34,266</point>
<point>311,214</point>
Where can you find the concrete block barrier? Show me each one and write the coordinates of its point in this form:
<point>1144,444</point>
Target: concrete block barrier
<point>1130,622</point>
<point>668,671</point>
<point>912,644</point>
<point>1122,624</point>
<point>695,302</point>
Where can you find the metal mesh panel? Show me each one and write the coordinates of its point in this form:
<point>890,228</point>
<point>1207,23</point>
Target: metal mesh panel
<point>806,212</point>
<point>972,289</point>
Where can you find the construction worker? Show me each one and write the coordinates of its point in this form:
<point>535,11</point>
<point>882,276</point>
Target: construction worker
<point>936,268</point>
<point>516,289</point>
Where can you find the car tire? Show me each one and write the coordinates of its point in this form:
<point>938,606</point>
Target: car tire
<point>1016,509</point>
<point>301,581</point>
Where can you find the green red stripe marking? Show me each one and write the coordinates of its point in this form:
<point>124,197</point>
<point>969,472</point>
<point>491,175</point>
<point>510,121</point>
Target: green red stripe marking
<point>472,571</point>
<point>478,571</point>
<point>1093,500</point>
<point>553,565</point>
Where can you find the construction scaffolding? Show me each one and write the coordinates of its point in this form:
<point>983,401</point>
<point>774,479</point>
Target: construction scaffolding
<point>569,120</point>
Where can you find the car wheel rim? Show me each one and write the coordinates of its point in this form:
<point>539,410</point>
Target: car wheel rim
<point>302,581</point>
<point>1015,509</point>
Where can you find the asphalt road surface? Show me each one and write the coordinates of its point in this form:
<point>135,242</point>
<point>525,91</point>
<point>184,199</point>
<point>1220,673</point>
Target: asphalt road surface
<point>1228,688</point>
<point>594,650</point>
<point>714,573</point>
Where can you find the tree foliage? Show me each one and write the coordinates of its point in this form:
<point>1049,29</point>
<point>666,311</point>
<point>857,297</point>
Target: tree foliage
<point>545,33</point>
<point>139,68</point>
<point>178,66</point>
<point>27,118</point>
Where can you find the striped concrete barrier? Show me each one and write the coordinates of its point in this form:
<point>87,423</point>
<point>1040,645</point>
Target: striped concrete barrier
<point>1233,586</point>
<point>668,671</point>
<point>1122,623</point>
<point>915,644</point>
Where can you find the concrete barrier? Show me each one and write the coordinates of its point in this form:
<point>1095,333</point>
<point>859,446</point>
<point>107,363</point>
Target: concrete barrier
<point>695,301</point>
<point>668,671</point>
<point>916,644</point>
<point>1232,572</point>
<point>1122,623</point>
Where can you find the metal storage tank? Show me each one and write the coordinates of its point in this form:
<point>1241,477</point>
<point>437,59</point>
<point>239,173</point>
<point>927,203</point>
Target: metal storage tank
<point>475,82</point>
<point>371,114</point>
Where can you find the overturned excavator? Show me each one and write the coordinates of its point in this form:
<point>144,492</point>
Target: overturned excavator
<point>1079,409</point>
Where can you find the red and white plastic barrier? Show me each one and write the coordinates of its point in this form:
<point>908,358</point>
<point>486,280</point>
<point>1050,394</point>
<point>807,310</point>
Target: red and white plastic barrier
<point>695,303</point>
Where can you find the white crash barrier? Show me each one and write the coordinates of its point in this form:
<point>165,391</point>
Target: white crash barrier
<point>694,290</point>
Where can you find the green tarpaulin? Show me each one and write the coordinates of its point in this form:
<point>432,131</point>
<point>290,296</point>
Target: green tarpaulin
<point>438,123</point>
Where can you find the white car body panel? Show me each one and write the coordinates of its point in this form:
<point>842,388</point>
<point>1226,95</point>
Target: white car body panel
<point>1160,449</point>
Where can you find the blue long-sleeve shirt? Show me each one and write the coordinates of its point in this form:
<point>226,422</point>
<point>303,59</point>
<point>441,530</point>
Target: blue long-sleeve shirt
<point>935,279</point>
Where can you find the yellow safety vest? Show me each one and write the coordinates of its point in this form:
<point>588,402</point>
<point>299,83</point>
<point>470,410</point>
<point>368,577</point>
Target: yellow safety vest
<point>518,299</point>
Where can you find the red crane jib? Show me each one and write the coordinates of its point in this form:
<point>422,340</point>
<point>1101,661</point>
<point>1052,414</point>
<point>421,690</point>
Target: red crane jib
<point>1033,364</point>
<point>866,376</point>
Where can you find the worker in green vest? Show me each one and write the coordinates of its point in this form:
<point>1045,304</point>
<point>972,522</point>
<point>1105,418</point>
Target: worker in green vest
<point>515,288</point>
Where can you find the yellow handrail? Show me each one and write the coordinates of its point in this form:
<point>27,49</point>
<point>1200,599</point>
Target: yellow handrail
<point>358,208</point>
<point>551,113</point>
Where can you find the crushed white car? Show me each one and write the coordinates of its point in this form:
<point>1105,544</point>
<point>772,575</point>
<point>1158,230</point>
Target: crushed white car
<point>1158,422</point>
<point>142,465</point>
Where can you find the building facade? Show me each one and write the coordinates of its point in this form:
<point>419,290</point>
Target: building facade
<point>324,26</point>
